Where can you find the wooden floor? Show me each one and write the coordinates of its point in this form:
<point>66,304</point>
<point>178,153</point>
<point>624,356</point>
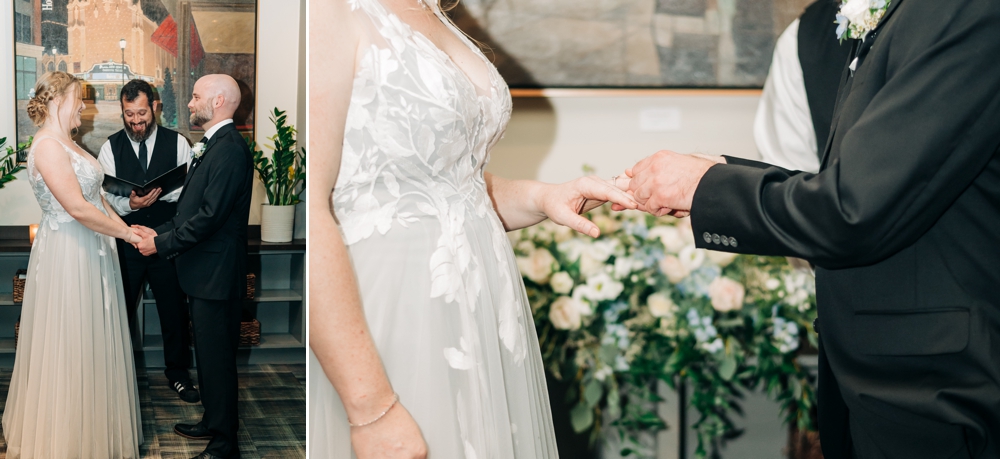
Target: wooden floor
<point>272,413</point>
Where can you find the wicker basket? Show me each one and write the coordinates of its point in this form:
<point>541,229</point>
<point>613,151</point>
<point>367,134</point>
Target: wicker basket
<point>17,331</point>
<point>251,285</point>
<point>19,285</point>
<point>250,333</point>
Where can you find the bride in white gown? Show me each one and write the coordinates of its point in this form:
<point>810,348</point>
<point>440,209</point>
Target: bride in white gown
<point>404,112</point>
<point>73,392</point>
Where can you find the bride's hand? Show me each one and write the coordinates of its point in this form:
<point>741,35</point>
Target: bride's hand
<point>395,436</point>
<point>565,203</point>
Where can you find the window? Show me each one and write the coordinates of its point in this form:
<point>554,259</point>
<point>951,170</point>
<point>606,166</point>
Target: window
<point>26,69</point>
<point>62,66</point>
<point>22,28</point>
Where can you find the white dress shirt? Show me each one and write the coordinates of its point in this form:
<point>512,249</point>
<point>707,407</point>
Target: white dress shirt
<point>209,133</point>
<point>107,160</point>
<point>783,128</point>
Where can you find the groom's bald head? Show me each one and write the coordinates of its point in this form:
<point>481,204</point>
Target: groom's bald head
<point>215,98</point>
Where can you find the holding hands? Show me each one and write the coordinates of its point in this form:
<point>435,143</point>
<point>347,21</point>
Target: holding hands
<point>665,183</point>
<point>145,245</point>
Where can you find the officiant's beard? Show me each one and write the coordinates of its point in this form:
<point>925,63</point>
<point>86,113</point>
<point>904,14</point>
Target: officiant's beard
<point>138,137</point>
<point>202,115</point>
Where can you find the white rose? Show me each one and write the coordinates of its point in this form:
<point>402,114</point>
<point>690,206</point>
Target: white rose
<point>661,305</point>
<point>772,283</point>
<point>583,295</point>
<point>565,313</point>
<point>674,269</point>
<point>572,248</point>
<point>625,265</point>
<point>607,224</point>
<point>601,250</point>
<point>692,257</point>
<point>561,282</point>
<point>590,266</point>
<point>537,266</point>
<point>726,294</point>
<point>722,259</point>
<point>604,287</point>
<point>684,228</point>
<point>856,11</point>
<point>562,233</point>
<point>669,236</point>
<point>525,246</point>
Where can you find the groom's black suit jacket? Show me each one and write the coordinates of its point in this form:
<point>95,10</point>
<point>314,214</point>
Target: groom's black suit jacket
<point>903,223</point>
<point>207,238</point>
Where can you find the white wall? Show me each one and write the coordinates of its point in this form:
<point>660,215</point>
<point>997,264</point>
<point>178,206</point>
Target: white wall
<point>550,138</point>
<point>280,62</point>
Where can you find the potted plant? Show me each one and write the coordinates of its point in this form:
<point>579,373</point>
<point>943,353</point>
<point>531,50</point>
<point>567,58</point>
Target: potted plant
<point>8,162</point>
<point>283,175</point>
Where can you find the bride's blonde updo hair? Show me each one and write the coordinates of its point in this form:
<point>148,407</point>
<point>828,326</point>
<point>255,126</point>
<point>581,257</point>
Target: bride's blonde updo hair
<point>48,87</point>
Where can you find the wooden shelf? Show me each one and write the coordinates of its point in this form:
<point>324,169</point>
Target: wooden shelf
<point>7,299</point>
<point>7,345</point>
<point>260,296</point>
<point>267,341</point>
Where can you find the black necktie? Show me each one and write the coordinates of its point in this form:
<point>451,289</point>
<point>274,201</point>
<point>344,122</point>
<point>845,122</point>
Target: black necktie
<point>143,156</point>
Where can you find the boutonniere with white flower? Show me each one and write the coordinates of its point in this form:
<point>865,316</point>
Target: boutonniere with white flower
<point>197,150</point>
<point>858,17</point>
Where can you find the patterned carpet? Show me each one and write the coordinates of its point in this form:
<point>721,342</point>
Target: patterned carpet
<point>272,414</point>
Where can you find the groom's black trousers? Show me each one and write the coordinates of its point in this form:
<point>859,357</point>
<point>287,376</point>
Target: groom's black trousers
<point>170,305</point>
<point>216,339</point>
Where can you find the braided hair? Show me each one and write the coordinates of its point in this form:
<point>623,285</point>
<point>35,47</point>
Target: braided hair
<point>48,87</point>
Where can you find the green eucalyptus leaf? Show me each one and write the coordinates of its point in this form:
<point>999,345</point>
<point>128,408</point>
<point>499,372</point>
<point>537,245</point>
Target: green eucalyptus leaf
<point>581,417</point>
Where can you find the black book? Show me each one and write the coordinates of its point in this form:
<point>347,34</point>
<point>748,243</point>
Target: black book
<point>169,181</point>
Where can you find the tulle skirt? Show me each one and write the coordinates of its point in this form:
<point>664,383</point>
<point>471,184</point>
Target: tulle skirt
<point>469,370</point>
<point>73,392</point>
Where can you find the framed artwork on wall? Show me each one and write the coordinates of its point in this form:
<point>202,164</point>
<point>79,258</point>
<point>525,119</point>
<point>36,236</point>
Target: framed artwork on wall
<point>629,43</point>
<point>106,43</point>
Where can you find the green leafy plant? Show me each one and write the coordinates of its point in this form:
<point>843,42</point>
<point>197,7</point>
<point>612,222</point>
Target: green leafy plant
<point>8,162</point>
<point>641,304</point>
<point>284,173</point>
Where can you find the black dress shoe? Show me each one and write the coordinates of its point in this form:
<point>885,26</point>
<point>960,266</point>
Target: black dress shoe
<point>186,391</point>
<point>192,431</point>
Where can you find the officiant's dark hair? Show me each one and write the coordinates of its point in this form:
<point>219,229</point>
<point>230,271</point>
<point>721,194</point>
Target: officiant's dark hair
<point>130,92</point>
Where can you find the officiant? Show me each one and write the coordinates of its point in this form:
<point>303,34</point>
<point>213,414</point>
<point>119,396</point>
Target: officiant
<point>138,153</point>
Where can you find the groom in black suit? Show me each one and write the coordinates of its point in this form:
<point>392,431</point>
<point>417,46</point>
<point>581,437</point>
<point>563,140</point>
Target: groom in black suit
<point>902,223</point>
<point>207,242</point>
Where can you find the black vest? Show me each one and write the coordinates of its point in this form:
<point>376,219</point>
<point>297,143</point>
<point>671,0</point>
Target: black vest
<point>823,59</point>
<point>127,167</point>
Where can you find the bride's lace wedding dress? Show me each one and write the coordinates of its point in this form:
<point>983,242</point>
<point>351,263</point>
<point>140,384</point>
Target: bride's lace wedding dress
<point>441,290</point>
<point>73,392</point>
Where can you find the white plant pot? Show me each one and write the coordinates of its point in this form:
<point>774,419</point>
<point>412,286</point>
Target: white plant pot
<point>276,223</point>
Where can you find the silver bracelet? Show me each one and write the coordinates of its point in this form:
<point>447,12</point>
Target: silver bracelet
<point>395,399</point>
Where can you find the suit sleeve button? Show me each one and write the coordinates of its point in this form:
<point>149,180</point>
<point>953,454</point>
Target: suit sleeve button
<point>732,242</point>
<point>708,237</point>
<point>716,239</point>
<point>725,241</point>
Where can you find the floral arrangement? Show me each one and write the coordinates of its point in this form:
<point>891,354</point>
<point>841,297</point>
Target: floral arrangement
<point>641,303</point>
<point>858,17</point>
<point>8,161</point>
<point>285,171</point>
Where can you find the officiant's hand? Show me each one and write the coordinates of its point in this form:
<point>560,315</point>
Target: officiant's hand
<point>137,202</point>
<point>664,183</point>
<point>564,203</point>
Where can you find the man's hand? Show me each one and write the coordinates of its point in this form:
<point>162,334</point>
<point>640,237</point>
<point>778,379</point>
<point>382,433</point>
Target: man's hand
<point>665,182</point>
<point>147,247</point>
<point>137,202</point>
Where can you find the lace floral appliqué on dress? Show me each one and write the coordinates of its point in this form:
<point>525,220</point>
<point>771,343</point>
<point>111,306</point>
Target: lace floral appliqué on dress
<point>441,290</point>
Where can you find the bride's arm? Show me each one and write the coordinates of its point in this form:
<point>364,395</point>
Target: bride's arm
<point>54,164</point>
<point>338,332</point>
<point>522,203</point>
<point>111,211</point>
